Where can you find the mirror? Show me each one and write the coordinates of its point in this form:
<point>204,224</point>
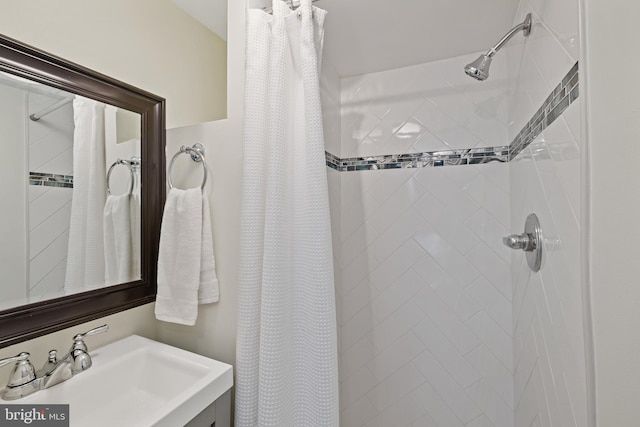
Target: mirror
<point>53,136</point>
<point>83,164</point>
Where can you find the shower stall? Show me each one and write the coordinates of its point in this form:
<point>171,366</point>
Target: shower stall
<point>440,324</point>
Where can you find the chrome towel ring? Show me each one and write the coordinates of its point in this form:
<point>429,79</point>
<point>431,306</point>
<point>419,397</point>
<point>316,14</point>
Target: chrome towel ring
<point>197,155</point>
<point>131,164</point>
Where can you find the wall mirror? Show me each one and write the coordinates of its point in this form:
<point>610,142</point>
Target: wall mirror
<point>83,188</point>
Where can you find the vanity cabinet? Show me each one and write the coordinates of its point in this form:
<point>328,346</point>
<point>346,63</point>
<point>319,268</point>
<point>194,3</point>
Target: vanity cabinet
<point>218,414</point>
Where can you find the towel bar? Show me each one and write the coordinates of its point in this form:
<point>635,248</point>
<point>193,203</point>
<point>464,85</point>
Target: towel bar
<point>197,155</point>
<point>131,164</point>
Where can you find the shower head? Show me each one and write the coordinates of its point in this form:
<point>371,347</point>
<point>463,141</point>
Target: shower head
<point>479,69</point>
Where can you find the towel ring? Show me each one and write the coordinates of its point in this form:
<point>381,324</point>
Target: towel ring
<point>128,164</point>
<point>197,155</point>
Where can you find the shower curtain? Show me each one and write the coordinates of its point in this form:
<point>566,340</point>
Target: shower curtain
<point>287,346</point>
<point>85,256</point>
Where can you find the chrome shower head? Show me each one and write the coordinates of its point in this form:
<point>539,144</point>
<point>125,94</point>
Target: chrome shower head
<point>479,69</point>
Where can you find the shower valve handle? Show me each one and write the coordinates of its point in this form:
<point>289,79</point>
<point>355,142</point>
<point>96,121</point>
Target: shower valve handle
<point>523,241</point>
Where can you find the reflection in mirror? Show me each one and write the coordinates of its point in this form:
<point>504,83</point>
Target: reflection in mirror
<point>63,232</point>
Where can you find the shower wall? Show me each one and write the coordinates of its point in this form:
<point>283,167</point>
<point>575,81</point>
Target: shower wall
<point>50,151</point>
<point>549,347</point>
<point>422,279</point>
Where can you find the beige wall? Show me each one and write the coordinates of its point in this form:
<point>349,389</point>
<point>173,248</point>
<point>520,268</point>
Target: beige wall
<point>150,44</point>
<point>214,334</point>
<point>613,125</point>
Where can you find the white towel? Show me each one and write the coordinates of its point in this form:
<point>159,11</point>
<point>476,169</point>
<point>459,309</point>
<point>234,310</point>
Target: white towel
<point>117,240</point>
<point>136,269</point>
<point>186,264</point>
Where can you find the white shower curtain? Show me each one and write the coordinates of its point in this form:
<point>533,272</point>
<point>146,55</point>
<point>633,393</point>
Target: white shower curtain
<point>287,347</point>
<point>85,256</point>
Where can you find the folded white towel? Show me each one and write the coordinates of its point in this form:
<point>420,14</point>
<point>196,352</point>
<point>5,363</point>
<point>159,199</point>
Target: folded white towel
<point>117,240</point>
<point>186,265</point>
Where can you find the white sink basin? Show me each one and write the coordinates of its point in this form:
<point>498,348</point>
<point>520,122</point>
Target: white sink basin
<point>139,382</point>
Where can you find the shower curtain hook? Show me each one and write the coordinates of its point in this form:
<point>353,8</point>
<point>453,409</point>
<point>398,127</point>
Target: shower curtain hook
<point>292,6</point>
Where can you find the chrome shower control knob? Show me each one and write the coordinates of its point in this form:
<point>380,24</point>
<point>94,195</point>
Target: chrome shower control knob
<point>530,242</point>
<point>520,241</point>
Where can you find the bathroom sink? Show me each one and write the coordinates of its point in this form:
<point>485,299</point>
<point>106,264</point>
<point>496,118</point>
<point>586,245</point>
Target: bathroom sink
<point>139,382</point>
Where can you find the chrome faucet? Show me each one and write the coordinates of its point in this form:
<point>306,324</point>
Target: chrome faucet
<point>25,380</point>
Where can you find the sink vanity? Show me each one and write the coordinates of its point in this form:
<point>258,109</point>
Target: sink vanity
<point>140,382</point>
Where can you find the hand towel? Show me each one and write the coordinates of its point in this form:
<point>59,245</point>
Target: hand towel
<point>117,240</point>
<point>136,236</point>
<point>186,265</point>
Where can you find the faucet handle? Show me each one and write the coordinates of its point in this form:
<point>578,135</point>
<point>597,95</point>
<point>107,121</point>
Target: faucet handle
<point>22,373</point>
<point>98,330</point>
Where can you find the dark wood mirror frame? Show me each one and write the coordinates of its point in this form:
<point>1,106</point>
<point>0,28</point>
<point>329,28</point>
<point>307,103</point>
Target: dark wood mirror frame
<point>33,320</point>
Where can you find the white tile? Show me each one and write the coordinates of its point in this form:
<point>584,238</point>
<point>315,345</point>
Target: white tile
<point>392,208</point>
<point>395,326</point>
<point>428,142</point>
<point>48,230</point>
<point>357,271</point>
<point>490,197</point>
<point>358,327</point>
<point>356,387</point>
<point>355,300</point>
<point>358,413</point>
<point>443,126</point>
<point>355,357</point>
<point>447,224</point>
<point>492,302</point>
<point>403,413</point>
<point>446,320</point>
<point>395,387</point>
<point>384,274</point>
<point>493,372</point>
<point>447,288</point>
<point>395,356</point>
<point>487,228</point>
<point>493,406</point>
<point>396,235</point>
<point>396,295</point>
<point>42,208</point>
<point>48,259</point>
<point>52,283</point>
<point>452,261</point>
<point>388,183</point>
<point>481,421</point>
<point>492,267</point>
<point>436,406</point>
<point>493,337</point>
<point>450,194</point>
<point>448,356</point>
<point>446,386</point>
<point>356,215</point>
<point>357,242</point>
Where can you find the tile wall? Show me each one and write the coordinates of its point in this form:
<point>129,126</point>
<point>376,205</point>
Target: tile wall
<point>50,151</point>
<point>549,361</point>
<point>422,280</point>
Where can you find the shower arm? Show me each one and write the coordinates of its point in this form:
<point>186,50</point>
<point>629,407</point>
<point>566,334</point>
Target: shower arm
<point>525,26</point>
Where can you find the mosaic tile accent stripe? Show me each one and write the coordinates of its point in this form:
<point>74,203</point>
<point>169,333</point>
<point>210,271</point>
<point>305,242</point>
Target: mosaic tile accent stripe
<point>50,180</point>
<point>558,100</point>
<point>469,156</point>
